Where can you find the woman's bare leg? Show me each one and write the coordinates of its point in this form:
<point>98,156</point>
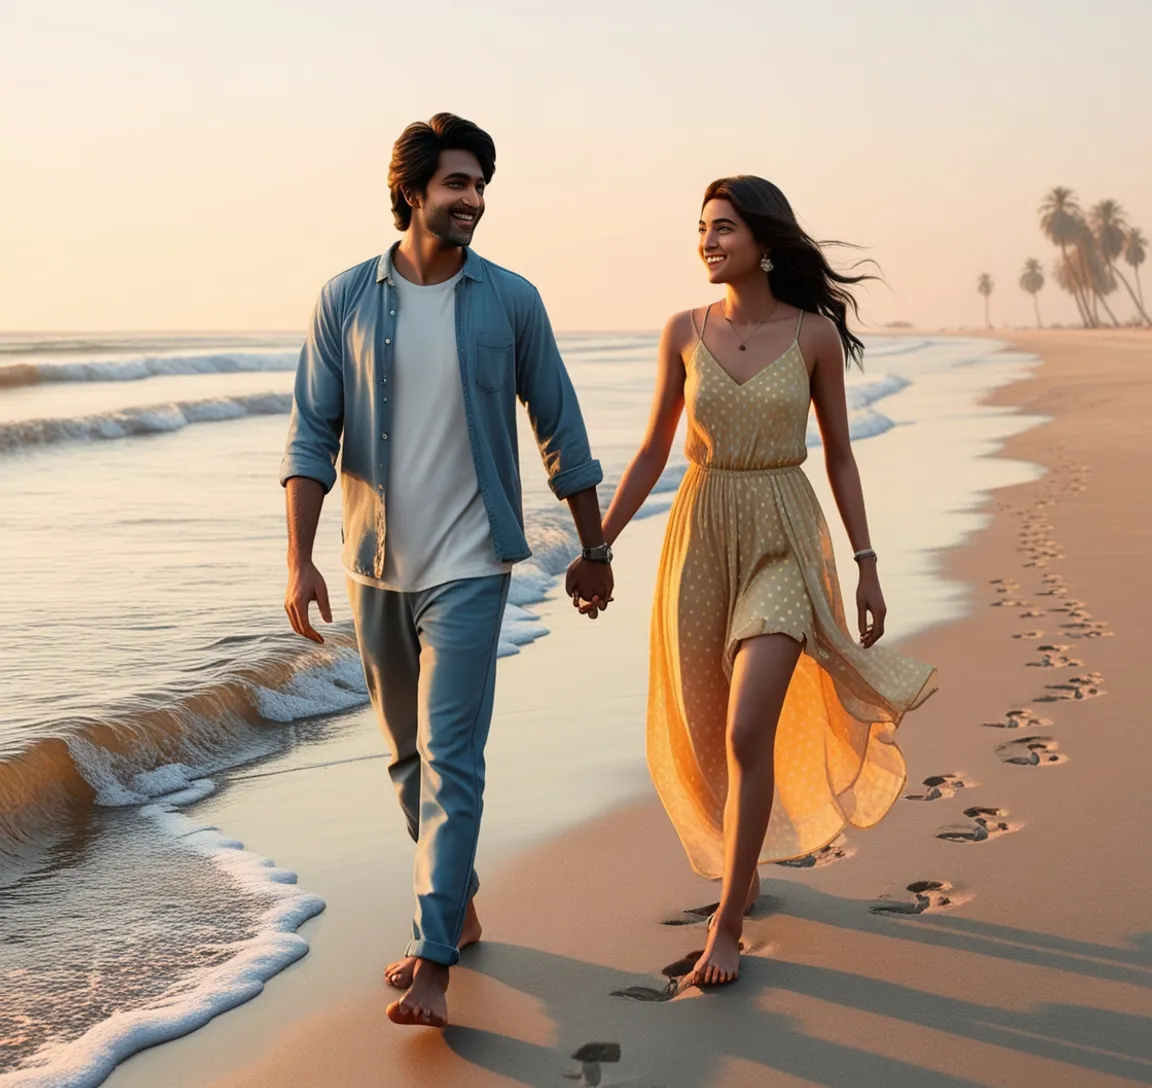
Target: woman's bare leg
<point>760,678</point>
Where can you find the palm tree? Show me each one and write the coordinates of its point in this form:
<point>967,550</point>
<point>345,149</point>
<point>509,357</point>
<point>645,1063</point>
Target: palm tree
<point>1032,280</point>
<point>1135,251</point>
<point>1094,273</point>
<point>1061,220</point>
<point>1110,230</point>
<point>985,285</point>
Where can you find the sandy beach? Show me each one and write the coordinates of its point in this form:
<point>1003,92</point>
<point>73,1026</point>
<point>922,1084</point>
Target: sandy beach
<point>991,931</point>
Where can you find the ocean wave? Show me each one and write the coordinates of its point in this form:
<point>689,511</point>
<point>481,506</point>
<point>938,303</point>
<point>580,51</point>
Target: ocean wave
<point>132,422</point>
<point>862,394</point>
<point>158,743</point>
<point>241,962</point>
<point>137,751</point>
<point>897,345</point>
<point>15,375</point>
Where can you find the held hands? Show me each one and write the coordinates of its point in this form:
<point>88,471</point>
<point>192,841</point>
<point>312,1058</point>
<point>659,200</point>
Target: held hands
<point>305,585</point>
<point>589,585</point>
<point>870,602</point>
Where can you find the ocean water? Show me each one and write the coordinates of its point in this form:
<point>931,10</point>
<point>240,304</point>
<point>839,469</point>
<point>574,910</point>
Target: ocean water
<point>145,650</point>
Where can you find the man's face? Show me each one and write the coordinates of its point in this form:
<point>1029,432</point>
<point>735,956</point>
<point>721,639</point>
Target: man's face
<point>454,201</point>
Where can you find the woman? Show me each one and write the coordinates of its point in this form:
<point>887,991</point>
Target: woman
<point>769,728</point>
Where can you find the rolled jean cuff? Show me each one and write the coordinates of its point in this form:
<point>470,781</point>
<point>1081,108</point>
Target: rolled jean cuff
<point>444,954</point>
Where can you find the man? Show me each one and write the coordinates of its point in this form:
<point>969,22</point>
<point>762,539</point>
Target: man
<point>410,373</point>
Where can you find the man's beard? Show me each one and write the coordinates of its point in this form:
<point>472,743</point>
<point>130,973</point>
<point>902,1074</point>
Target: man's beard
<point>439,222</point>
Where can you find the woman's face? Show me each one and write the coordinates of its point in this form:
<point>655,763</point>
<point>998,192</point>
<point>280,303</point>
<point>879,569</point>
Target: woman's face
<point>727,247</point>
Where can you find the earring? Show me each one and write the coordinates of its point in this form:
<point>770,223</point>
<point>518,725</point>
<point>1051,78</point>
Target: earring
<point>766,263</point>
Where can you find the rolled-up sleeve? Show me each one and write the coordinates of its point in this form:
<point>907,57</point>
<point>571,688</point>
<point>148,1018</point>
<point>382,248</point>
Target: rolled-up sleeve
<point>542,383</point>
<point>318,399</point>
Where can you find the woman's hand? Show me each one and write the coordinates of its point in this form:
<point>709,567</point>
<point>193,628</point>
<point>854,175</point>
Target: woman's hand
<point>870,604</point>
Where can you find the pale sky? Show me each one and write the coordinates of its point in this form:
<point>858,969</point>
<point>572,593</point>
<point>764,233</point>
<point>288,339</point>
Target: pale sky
<point>208,165</point>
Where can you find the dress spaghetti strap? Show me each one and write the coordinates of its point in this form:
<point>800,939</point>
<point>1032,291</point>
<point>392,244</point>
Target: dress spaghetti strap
<point>799,322</point>
<point>699,329</point>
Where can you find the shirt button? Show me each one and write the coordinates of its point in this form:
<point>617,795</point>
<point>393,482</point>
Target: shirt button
<point>385,437</point>
<point>387,341</point>
<point>383,381</point>
<point>392,313</point>
<point>385,400</point>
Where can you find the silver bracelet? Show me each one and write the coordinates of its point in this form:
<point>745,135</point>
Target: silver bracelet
<point>864,553</point>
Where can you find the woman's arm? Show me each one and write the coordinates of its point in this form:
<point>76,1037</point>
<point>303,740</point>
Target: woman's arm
<point>667,404</point>
<point>829,399</point>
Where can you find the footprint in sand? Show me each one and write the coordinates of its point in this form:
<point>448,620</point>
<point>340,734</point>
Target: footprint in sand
<point>694,916</point>
<point>1029,634</point>
<point>1005,584</point>
<point>1087,629</point>
<point>1056,661</point>
<point>591,1056</point>
<point>938,786</point>
<point>1031,752</point>
<point>1075,687</point>
<point>1010,602</point>
<point>1068,693</point>
<point>837,850</point>
<point>1032,613</point>
<point>1020,718</point>
<point>987,823</point>
<point>927,895</point>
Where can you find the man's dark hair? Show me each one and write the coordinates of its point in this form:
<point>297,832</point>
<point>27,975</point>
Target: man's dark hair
<point>416,155</point>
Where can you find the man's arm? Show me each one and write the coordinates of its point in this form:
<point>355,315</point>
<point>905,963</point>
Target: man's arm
<point>317,398</point>
<point>305,582</point>
<point>543,385</point>
<point>308,470</point>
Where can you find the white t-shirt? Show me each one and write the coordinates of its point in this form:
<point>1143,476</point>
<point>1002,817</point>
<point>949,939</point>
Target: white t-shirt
<point>436,526</point>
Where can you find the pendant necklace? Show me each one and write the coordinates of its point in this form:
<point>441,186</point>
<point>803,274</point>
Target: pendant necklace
<point>744,342</point>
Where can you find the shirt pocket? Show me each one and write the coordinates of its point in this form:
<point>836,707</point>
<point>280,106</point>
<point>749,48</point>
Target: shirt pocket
<point>495,362</point>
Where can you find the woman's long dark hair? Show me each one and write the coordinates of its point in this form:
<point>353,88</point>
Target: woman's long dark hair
<point>801,275</point>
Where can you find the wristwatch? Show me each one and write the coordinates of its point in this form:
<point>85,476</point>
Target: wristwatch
<point>602,553</point>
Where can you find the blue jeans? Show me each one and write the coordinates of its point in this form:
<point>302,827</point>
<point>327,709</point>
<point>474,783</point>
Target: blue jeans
<point>430,662</point>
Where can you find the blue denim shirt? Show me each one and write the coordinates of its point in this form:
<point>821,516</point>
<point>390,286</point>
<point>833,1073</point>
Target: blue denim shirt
<point>506,351</point>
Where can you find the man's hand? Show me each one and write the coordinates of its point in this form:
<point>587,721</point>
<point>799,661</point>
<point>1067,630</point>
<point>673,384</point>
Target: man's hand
<point>589,585</point>
<point>305,585</point>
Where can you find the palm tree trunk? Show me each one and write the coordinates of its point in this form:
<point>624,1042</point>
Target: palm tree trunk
<point>1036,307</point>
<point>1139,285</point>
<point>1104,303</point>
<point>1132,294</point>
<point>987,318</point>
<point>1081,301</point>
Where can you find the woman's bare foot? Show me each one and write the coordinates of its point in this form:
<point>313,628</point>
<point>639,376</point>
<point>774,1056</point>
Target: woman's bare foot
<point>720,961</point>
<point>426,1002</point>
<point>399,974</point>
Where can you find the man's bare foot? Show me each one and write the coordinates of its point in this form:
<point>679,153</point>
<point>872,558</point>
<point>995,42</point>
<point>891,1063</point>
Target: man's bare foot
<point>426,1002</point>
<point>720,961</point>
<point>399,974</point>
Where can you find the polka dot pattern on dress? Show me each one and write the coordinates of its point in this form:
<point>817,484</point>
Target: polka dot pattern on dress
<point>746,553</point>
